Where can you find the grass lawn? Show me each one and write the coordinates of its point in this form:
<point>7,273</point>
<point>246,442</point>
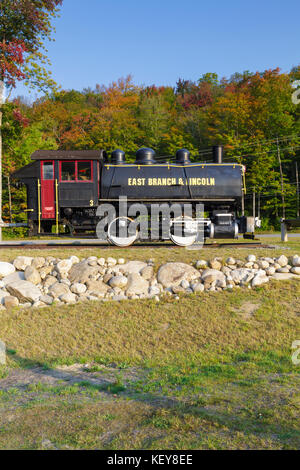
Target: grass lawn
<point>209,371</point>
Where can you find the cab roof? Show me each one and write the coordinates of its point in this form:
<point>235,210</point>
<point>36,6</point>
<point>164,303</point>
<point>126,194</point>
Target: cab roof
<point>68,155</point>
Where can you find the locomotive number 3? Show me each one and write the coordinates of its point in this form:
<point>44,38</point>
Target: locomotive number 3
<point>91,202</point>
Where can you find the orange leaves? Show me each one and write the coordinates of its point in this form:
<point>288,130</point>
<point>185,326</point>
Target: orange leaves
<point>120,94</point>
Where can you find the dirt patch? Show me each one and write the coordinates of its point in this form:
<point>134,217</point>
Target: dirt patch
<point>19,378</point>
<point>247,309</point>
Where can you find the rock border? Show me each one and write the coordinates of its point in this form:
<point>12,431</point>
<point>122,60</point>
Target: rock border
<point>40,282</point>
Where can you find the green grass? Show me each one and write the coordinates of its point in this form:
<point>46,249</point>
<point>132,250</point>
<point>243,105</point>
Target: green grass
<point>208,375</point>
<point>221,416</point>
<point>206,328</point>
<point>3,372</point>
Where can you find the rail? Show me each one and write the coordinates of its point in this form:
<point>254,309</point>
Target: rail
<point>95,243</point>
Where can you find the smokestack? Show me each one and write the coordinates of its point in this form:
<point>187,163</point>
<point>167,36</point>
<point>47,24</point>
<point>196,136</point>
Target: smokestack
<point>218,153</point>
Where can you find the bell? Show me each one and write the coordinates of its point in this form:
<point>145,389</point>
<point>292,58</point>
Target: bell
<point>183,157</point>
<point>145,156</point>
<point>118,157</point>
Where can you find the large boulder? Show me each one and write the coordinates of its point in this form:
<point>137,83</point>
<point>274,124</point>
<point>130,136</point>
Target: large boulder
<point>136,285</point>
<point>32,275</point>
<point>82,272</point>
<point>68,298</point>
<point>282,260</point>
<point>296,261</point>
<point>11,302</point>
<point>49,281</point>
<point>241,275</point>
<point>58,289</point>
<point>259,279</point>
<point>78,288</point>
<point>132,267</point>
<point>198,287</point>
<point>64,266</point>
<point>154,290</point>
<point>97,287</point>
<point>226,270</point>
<point>172,274</point>
<point>285,269</point>
<point>25,291</point>
<point>263,264</point>
<point>45,271</point>
<point>21,262</point>
<point>38,262</point>
<point>16,276</point>
<point>215,264</point>
<point>211,275</point>
<point>74,259</point>
<point>270,271</point>
<point>147,272</point>
<point>284,276</point>
<point>6,269</point>
<point>46,299</point>
<point>118,281</point>
<point>295,270</point>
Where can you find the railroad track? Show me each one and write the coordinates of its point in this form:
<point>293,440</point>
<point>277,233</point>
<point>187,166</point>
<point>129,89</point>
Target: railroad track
<point>83,244</point>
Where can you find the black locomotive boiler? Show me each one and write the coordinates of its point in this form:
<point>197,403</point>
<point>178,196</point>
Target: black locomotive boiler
<point>65,188</point>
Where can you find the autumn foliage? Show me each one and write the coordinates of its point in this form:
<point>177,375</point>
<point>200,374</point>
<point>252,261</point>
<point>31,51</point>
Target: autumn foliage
<point>246,113</point>
<point>23,25</point>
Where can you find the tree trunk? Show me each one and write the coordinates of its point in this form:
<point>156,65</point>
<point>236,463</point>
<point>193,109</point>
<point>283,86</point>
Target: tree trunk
<point>297,189</point>
<point>281,179</point>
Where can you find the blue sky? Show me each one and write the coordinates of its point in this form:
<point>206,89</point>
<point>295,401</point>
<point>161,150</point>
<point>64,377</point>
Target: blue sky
<point>158,41</point>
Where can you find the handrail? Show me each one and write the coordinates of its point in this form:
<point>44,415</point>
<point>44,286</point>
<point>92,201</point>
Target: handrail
<point>56,205</point>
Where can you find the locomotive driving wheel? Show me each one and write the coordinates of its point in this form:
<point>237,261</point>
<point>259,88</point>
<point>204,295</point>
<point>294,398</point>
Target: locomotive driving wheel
<point>122,232</point>
<point>183,231</point>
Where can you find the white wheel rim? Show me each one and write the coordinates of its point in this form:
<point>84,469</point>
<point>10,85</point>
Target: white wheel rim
<point>121,241</point>
<point>182,241</point>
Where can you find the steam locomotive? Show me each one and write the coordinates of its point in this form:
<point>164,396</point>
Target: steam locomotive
<point>71,188</point>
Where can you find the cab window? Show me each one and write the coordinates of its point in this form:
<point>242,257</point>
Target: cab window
<point>48,173</point>
<point>84,171</point>
<point>68,172</point>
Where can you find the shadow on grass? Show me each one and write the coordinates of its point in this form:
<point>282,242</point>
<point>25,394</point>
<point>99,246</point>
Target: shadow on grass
<point>253,425</point>
<point>23,362</point>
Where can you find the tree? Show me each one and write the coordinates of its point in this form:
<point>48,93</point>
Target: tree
<point>153,117</point>
<point>24,26</point>
<point>254,110</point>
